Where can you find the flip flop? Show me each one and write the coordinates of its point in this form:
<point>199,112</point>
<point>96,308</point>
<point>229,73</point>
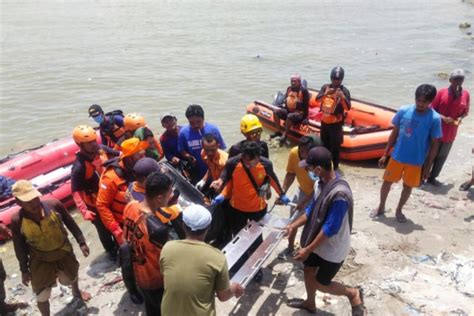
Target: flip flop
<point>401,218</point>
<point>298,303</point>
<point>359,310</point>
<point>465,186</point>
<point>374,213</point>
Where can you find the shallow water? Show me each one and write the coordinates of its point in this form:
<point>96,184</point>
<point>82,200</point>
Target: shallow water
<point>59,57</point>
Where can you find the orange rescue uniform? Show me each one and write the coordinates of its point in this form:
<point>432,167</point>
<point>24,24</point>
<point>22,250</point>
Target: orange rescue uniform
<point>215,166</point>
<point>111,198</point>
<point>239,188</point>
<point>145,253</point>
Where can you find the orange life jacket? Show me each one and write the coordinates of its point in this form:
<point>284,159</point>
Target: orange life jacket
<point>293,98</point>
<point>93,168</point>
<point>328,107</point>
<point>145,254</point>
<point>111,198</point>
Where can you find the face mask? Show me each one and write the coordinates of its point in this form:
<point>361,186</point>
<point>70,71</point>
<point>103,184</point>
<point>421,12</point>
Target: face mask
<point>99,119</point>
<point>313,176</point>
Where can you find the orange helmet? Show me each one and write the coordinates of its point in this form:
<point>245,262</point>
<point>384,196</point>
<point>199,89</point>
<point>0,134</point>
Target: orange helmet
<point>83,134</point>
<point>133,121</point>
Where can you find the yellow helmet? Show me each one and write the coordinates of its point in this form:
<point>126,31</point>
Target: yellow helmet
<point>133,121</point>
<point>83,134</point>
<point>249,122</point>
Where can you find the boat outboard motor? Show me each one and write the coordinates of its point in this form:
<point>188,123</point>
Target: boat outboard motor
<point>304,83</point>
<point>279,99</point>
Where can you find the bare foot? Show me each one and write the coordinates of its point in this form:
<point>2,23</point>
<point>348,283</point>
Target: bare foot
<point>86,296</point>
<point>356,299</point>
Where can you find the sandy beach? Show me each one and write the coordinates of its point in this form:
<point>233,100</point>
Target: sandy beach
<point>422,267</point>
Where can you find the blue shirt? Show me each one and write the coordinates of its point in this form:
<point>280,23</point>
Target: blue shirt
<point>169,143</point>
<point>335,215</point>
<point>190,141</point>
<point>416,131</point>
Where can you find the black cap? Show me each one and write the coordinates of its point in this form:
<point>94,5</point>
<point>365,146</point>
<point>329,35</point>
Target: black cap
<point>95,110</point>
<point>145,166</point>
<point>317,156</point>
<point>337,73</point>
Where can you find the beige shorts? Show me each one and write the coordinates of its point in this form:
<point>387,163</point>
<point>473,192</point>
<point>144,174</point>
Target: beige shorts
<point>45,294</point>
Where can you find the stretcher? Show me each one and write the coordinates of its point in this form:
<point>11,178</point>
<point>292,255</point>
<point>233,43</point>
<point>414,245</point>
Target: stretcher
<point>253,245</point>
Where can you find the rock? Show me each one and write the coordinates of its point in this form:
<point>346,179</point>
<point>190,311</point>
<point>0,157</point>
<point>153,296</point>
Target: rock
<point>464,25</point>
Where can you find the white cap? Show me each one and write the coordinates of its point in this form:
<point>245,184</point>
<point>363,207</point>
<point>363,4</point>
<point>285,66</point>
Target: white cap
<point>457,73</point>
<point>197,217</point>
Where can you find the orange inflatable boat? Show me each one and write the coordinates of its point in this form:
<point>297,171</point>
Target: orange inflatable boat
<point>367,126</point>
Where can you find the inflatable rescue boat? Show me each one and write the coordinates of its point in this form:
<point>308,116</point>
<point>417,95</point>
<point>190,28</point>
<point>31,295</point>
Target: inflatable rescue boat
<point>367,126</point>
<point>48,167</point>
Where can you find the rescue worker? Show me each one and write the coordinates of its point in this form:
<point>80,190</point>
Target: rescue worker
<point>296,108</point>
<point>111,201</point>
<point>251,128</point>
<point>115,179</point>
<point>215,160</point>
<point>42,246</point>
<point>6,308</point>
<point>85,176</point>
<point>305,179</point>
<point>142,169</point>
<point>147,231</point>
<point>154,149</point>
<point>190,140</point>
<point>335,102</point>
<point>247,186</point>
<point>110,125</point>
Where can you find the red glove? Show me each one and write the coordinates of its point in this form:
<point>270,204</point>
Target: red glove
<point>118,235</point>
<point>89,215</point>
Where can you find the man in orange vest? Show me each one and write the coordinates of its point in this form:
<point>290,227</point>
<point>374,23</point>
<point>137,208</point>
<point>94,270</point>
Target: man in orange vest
<point>335,101</point>
<point>147,230</point>
<point>112,199</point>
<point>249,176</point>
<point>113,186</point>
<point>110,124</point>
<point>215,160</point>
<point>85,175</point>
<point>296,107</point>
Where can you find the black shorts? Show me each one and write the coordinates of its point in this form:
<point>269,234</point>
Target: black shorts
<point>237,219</point>
<point>327,270</point>
<point>296,117</point>
<point>282,113</point>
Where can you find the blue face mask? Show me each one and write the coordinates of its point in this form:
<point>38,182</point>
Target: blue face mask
<point>313,176</point>
<point>99,119</point>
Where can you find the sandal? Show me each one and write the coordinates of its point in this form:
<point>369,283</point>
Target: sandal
<point>465,186</point>
<point>401,218</point>
<point>375,213</point>
<point>298,303</point>
<point>359,310</point>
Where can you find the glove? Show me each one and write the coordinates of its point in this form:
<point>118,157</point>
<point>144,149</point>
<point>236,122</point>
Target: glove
<point>218,200</point>
<point>118,235</point>
<point>200,185</point>
<point>89,215</point>
<point>284,199</point>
